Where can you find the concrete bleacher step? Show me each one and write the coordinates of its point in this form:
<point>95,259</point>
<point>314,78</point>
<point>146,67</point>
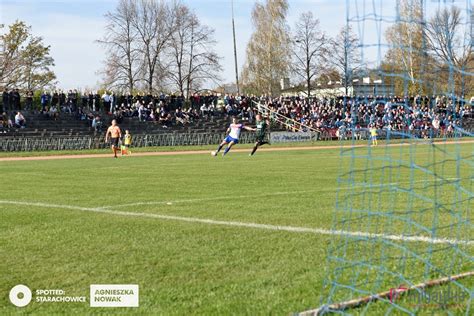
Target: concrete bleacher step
<point>68,125</point>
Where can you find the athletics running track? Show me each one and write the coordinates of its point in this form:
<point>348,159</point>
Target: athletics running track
<point>195,152</point>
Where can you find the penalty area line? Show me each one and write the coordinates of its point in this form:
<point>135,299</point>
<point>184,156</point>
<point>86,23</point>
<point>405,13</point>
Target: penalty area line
<point>294,229</point>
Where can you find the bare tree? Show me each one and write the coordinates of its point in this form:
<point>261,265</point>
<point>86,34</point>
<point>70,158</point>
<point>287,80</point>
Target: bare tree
<point>444,38</point>
<point>193,60</point>
<point>446,42</point>
<point>308,49</point>
<point>153,24</point>
<point>123,59</point>
<point>152,44</point>
<point>343,55</point>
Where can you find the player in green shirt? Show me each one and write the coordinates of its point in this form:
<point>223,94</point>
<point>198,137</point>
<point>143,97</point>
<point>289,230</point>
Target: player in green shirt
<point>262,125</point>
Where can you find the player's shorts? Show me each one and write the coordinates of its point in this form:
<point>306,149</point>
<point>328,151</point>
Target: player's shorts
<point>259,138</point>
<point>114,141</point>
<point>229,139</point>
<point>373,137</point>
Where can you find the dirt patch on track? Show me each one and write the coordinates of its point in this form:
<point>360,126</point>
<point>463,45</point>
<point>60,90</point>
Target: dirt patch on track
<point>195,152</point>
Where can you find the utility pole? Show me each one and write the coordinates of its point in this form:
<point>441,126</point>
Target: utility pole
<point>235,51</point>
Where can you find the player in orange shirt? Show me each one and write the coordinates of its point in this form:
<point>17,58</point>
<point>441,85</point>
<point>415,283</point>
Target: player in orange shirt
<point>115,135</point>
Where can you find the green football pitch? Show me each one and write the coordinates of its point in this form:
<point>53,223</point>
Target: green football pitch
<point>198,234</point>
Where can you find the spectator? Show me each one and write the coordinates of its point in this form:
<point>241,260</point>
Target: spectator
<point>164,118</point>
<point>84,101</point>
<point>5,100</point>
<point>29,100</point>
<point>72,100</point>
<point>15,99</point>
<point>5,123</point>
<point>10,123</point>
<point>91,101</point>
<point>44,101</point>
<point>229,110</point>
<point>113,102</point>
<point>212,108</point>
<point>67,106</point>
<point>141,112</point>
<point>62,99</point>
<point>180,117</point>
<point>204,110</point>
<point>20,120</point>
<point>97,124</point>
<point>118,116</point>
<point>55,98</point>
<point>53,112</point>
<point>81,115</point>
<point>107,102</point>
<point>436,125</point>
<point>97,101</point>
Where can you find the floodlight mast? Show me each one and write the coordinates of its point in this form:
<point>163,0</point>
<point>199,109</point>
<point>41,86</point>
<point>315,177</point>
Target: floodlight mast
<point>235,51</point>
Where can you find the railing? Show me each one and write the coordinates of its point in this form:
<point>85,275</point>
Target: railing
<point>188,139</point>
<point>94,142</point>
<point>363,133</point>
<point>288,123</point>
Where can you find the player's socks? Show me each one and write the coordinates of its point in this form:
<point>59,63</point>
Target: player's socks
<point>219,148</point>
<point>226,151</point>
<point>253,150</point>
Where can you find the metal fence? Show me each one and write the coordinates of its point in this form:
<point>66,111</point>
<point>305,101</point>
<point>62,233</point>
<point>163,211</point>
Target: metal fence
<point>177,139</point>
<point>93,142</point>
<point>363,133</point>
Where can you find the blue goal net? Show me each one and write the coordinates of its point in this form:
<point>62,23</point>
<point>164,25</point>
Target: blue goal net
<point>405,201</point>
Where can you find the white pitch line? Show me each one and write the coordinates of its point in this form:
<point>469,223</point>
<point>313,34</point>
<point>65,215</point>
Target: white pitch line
<point>216,198</point>
<point>294,229</point>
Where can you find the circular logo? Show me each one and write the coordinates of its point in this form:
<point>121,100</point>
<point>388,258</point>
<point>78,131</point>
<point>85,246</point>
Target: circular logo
<point>20,295</point>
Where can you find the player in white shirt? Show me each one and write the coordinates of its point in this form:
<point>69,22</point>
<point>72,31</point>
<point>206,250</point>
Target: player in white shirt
<point>233,133</point>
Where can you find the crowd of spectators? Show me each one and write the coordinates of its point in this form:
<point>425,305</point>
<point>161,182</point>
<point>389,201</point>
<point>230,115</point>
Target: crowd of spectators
<point>421,114</point>
<point>162,109</point>
<point>417,113</point>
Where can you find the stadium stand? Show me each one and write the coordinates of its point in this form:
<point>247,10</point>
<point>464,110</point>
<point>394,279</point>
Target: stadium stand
<point>329,115</point>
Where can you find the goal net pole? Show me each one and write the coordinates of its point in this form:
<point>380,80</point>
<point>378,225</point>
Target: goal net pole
<point>383,295</point>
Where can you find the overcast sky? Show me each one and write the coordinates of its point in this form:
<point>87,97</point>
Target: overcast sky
<point>72,26</point>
